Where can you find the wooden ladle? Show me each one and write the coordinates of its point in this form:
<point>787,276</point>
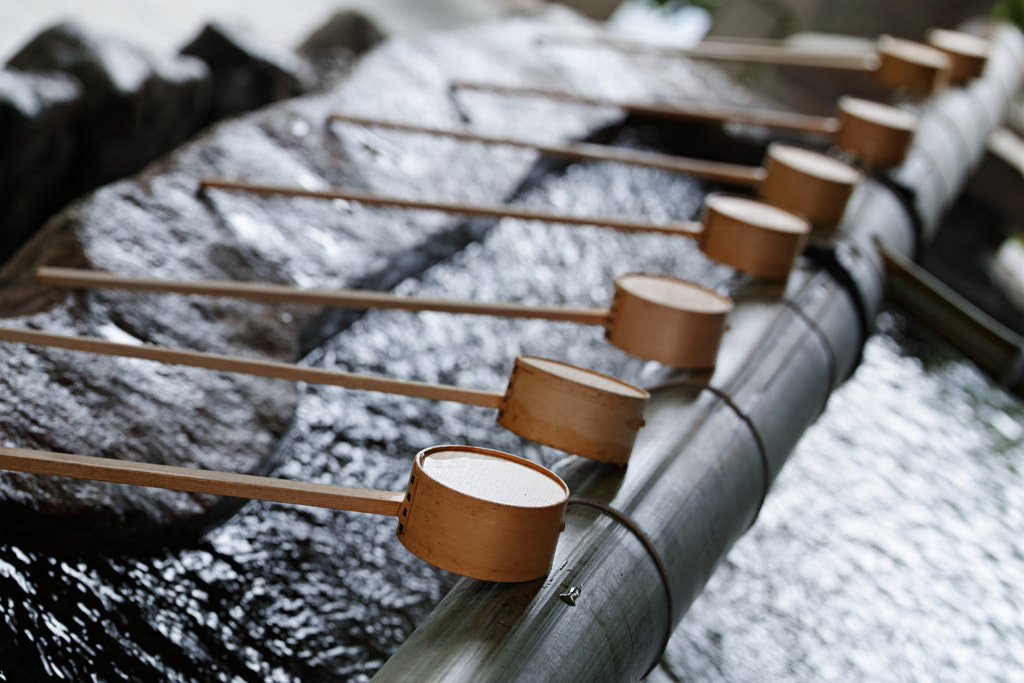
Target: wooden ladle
<point>797,180</point>
<point>473,511</point>
<point>659,318</point>
<point>897,64</point>
<point>873,133</point>
<point>560,405</point>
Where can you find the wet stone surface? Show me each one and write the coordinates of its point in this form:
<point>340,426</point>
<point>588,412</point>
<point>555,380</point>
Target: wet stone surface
<point>79,109</point>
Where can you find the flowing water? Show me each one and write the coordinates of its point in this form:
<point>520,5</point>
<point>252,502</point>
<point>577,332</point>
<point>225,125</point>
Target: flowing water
<point>891,547</point>
<point>888,550</point>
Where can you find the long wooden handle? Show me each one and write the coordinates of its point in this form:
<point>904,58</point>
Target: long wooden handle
<point>686,229</point>
<point>754,52</point>
<point>261,368</point>
<point>340,298</point>
<point>801,123</point>
<point>200,481</point>
<point>710,170</point>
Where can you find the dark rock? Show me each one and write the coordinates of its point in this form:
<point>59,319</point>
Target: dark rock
<point>333,47</point>
<point>136,105</point>
<point>37,149</point>
<point>347,30</point>
<point>247,73</point>
<point>78,110</point>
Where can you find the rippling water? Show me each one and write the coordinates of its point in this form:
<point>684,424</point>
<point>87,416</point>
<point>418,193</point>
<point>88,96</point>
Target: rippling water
<point>891,546</point>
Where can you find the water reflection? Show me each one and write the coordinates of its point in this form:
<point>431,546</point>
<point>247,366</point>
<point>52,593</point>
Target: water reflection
<point>890,547</point>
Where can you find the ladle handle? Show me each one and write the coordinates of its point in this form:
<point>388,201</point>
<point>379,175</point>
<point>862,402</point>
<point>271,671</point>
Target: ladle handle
<point>686,229</point>
<point>753,52</point>
<point>261,368</point>
<point>201,481</point>
<point>341,298</point>
<point>710,170</point>
<point>800,123</point>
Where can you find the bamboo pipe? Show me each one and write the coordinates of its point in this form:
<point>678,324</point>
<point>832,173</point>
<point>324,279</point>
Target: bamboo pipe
<point>657,318</point>
<point>473,511</point>
<point>556,404</point>
<point>798,180</point>
<point>873,133</point>
<point>897,64</point>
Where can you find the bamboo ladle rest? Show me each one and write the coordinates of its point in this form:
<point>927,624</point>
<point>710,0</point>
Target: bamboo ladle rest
<point>658,318</point>
<point>896,63</point>
<point>873,133</point>
<point>556,404</point>
<point>477,512</point>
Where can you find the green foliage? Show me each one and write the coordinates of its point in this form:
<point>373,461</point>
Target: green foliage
<point>1011,10</point>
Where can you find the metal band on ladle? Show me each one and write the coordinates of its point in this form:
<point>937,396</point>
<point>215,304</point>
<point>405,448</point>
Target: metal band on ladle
<point>476,512</point>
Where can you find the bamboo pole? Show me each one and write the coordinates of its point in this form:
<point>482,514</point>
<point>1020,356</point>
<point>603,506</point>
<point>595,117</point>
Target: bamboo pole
<point>686,229</point>
<point>260,368</point>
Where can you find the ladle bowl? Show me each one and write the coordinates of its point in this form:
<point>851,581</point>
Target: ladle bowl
<point>808,183</point>
<point>875,134</point>
<point>913,67</point>
<point>672,321</point>
<point>967,53</point>
<point>752,236</point>
<point>482,513</point>
<point>575,410</point>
